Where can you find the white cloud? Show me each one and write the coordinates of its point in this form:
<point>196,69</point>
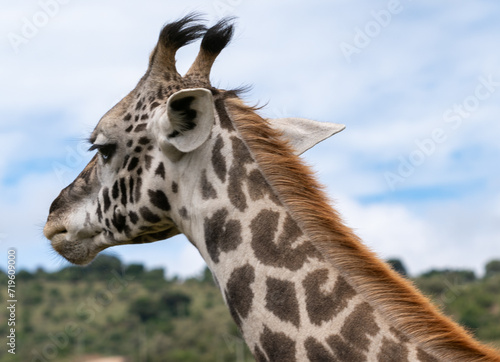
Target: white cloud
<point>391,231</point>
<point>448,237</point>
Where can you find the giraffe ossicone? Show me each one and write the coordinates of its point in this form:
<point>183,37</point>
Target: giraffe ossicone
<point>178,155</point>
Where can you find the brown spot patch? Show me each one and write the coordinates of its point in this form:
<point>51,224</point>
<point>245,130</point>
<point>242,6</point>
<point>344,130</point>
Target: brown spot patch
<point>99,211</point>
<point>277,346</point>
<point>238,174</point>
<point>125,160</point>
<point>175,187</point>
<point>221,235</point>
<point>123,190</point>
<point>140,127</point>
<point>316,352</point>
<point>359,324</point>
<point>239,294</point>
<point>133,217</point>
<point>131,189</point>
<point>259,355</point>
<point>184,213</point>
<point>399,335</point>
<point>225,121</point>
<point>235,188</point>
<point>148,215</point>
<point>147,160</point>
<point>133,164</point>
<point>137,193</point>
<point>218,160</point>
<point>159,199</point>
<point>291,231</point>
<point>160,170</point>
<point>343,350</point>
<point>106,199</point>
<point>323,307</point>
<point>281,253</point>
<point>138,105</point>
<point>207,189</point>
<point>114,191</point>
<point>159,93</point>
<point>241,153</point>
<point>392,352</point>
<point>425,357</point>
<point>144,141</point>
<point>258,187</point>
<point>281,299</point>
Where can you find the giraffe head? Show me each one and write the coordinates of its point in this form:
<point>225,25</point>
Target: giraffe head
<point>149,147</point>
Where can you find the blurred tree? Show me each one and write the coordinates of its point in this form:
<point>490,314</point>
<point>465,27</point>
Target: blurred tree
<point>70,273</point>
<point>33,295</point>
<point>176,303</point>
<point>134,270</point>
<point>189,315</point>
<point>144,307</point>
<point>206,276</point>
<point>398,266</point>
<point>458,275</point>
<point>155,274</point>
<point>102,265</point>
<point>25,275</point>
<point>40,273</point>
<point>492,268</point>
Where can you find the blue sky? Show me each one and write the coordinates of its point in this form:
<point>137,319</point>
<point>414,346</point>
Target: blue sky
<point>415,173</point>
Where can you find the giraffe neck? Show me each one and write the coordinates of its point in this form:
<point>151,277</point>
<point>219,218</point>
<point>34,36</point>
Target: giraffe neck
<point>289,301</point>
<point>298,283</point>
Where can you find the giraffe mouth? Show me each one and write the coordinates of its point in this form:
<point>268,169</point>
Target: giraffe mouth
<point>80,251</point>
<point>83,247</point>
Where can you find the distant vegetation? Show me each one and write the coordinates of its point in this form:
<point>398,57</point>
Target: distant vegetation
<point>109,308</point>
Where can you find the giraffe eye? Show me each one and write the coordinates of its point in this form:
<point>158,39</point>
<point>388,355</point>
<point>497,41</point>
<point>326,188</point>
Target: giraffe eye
<point>106,151</point>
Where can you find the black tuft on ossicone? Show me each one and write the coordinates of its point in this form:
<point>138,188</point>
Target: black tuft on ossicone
<point>182,32</point>
<point>218,36</point>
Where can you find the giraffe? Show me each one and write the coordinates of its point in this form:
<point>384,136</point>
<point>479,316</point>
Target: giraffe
<point>177,155</point>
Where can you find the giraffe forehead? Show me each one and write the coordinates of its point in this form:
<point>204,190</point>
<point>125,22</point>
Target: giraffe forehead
<point>134,111</point>
<point>110,121</point>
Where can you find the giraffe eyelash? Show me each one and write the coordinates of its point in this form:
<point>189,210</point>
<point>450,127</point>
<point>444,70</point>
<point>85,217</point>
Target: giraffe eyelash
<point>106,150</point>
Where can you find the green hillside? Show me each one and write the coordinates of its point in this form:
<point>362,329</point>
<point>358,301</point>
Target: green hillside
<point>111,309</point>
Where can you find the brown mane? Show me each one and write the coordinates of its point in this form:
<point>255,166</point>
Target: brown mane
<point>395,297</point>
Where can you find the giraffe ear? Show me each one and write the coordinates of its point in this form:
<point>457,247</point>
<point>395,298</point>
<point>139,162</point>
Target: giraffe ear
<point>302,133</point>
<point>189,120</point>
